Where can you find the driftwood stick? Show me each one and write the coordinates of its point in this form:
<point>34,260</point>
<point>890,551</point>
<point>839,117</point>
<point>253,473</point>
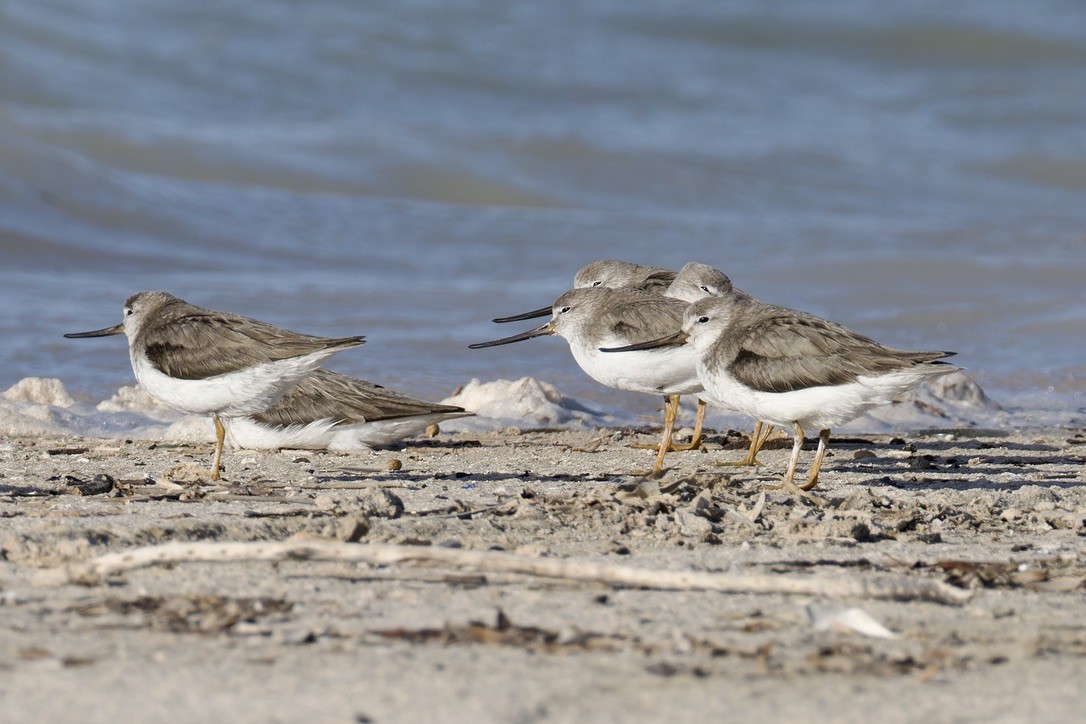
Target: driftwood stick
<point>884,587</point>
<point>359,485</point>
<point>228,497</point>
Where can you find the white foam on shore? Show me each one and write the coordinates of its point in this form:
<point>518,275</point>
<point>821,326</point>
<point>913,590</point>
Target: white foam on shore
<point>526,402</point>
<point>40,406</point>
<point>38,390</point>
<point>37,406</point>
<point>133,398</point>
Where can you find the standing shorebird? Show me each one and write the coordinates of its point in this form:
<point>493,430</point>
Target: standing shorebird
<point>619,274</point>
<point>791,368</point>
<point>331,411</point>
<point>697,281</point>
<point>203,362</point>
<point>598,317</point>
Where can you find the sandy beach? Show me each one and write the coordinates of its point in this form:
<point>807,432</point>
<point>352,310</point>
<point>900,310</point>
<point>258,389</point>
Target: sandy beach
<point>999,514</point>
<point>411,172</point>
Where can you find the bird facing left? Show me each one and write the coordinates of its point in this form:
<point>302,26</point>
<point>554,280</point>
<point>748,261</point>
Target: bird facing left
<point>219,364</point>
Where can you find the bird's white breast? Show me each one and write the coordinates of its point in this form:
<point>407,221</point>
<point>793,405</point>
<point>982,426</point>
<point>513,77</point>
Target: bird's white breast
<point>244,432</point>
<point>248,434</point>
<point>666,370</point>
<point>820,407</point>
<point>244,392</point>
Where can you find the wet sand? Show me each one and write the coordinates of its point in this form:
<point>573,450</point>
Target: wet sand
<point>999,513</point>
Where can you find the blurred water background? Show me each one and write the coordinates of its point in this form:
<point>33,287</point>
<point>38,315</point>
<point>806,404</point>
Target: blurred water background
<point>408,170</point>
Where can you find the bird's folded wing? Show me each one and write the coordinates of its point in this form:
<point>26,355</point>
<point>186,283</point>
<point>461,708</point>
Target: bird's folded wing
<point>786,353</point>
<point>325,395</point>
<point>202,344</point>
<point>644,320</point>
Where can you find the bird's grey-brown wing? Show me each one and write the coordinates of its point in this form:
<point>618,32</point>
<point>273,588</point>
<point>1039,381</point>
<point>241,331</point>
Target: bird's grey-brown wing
<point>326,395</point>
<point>784,351</point>
<point>193,343</point>
<point>640,317</point>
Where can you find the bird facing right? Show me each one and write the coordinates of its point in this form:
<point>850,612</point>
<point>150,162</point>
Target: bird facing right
<point>793,369</point>
<point>331,411</point>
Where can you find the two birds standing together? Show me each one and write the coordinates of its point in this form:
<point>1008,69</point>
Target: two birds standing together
<point>652,330</point>
<point>260,383</point>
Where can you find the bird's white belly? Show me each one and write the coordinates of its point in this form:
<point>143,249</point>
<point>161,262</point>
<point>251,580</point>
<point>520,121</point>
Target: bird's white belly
<point>245,392</point>
<point>362,436</point>
<point>666,371</point>
<point>819,407</point>
<point>244,432</point>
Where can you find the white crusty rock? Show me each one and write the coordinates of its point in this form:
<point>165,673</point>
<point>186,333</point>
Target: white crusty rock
<point>133,398</point>
<point>40,390</point>
<point>960,388</point>
<point>524,401</point>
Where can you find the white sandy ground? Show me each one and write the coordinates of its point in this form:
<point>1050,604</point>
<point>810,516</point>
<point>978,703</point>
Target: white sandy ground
<point>1001,512</point>
<point>267,642</point>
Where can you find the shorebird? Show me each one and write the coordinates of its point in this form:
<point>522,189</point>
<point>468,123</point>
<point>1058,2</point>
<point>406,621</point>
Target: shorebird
<point>619,274</point>
<point>203,362</point>
<point>792,369</point>
<point>697,281</point>
<point>596,317</point>
<point>331,411</point>
<point>613,274</point>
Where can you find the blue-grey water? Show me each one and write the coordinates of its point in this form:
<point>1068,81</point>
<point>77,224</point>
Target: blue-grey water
<point>409,170</point>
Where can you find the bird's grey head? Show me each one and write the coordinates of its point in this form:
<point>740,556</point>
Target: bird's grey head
<point>575,308</point>
<point>569,313</point>
<point>136,310</point>
<point>612,273</point>
<point>141,305</point>
<point>706,319</point>
<point>696,281</point>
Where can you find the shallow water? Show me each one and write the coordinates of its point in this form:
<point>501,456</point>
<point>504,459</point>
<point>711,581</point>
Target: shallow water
<point>410,170</point>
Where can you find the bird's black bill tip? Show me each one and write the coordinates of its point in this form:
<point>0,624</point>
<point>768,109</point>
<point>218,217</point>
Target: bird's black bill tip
<point>539,332</point>
<point>534,314</point>
<point>108,331</point>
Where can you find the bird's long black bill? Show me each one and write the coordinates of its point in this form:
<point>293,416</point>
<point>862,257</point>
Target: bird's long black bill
<point>534,314</point>
<point>538,332</point>
<point>674,340</point>
<point>115,329</point>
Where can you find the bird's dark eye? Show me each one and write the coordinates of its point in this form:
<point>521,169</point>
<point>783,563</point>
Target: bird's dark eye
<point>128,312</point>
<point>703,320</point>
<point>597,282</point>
<point>563,310</point>
<point>704,289</point>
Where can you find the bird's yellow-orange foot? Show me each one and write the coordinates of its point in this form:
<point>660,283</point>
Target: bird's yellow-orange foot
<point>673,447</point>
<point>694,444</point>
<point>757,440</point>
<point>750,461</point>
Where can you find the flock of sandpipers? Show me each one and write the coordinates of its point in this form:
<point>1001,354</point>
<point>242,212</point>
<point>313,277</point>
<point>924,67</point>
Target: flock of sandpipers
<point>630,327</point>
